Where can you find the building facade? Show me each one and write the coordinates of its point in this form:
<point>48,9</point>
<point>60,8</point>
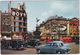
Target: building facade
<point>57,27</point>
<point>14,22</point>
<point>74,28</point>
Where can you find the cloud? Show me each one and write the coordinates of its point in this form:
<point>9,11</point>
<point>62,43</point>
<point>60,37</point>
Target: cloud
<point>46,14</point>
<point>62,8</point>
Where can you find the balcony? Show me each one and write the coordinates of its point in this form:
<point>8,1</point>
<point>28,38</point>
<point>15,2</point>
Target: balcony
<point>23,27</point>
<point>17,21</point>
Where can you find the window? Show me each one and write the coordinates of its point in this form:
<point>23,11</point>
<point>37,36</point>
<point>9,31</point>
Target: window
<point>20,23</point>
<point>55,44</point>
<point>61,44</point>
<point>20,29</point>
<point>14,28</point>
<point>14,18</point>
<point>17,29</point>
<point>48,44</point>
<point>17,18</point>
<point>14,23</point>
<point>17,23</point>
<point>20,18</point>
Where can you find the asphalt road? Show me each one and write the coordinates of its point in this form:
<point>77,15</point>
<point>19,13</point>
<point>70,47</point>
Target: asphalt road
<point>74,50</point>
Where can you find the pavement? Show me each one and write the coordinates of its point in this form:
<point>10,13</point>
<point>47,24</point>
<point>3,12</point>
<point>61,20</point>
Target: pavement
<point>74,48</point>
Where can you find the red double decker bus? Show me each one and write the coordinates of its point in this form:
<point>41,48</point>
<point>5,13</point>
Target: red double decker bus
<point>45,37</point>
<point>66,38</point>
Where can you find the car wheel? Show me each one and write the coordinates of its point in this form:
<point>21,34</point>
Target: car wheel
<point>58,52</point>
<point>38,51</point>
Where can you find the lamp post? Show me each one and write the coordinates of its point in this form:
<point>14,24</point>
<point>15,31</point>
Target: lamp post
<point>59,31</point>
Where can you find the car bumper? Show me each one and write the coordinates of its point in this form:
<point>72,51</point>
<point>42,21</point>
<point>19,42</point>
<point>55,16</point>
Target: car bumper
<point>68,52</point>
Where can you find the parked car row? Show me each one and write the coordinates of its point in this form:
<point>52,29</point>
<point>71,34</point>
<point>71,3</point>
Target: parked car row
<point>19,44</point>
<point>15,44</point>
<point>33,42</point>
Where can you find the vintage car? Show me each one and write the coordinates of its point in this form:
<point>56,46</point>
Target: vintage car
<point>53,47</point>
<point>33,42</point>
<point>17,44</point>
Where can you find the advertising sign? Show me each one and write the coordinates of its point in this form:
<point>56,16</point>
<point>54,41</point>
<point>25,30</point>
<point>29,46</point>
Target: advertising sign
<point>6,24</point>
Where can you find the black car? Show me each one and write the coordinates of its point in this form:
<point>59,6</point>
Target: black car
<point>17,44</point>
<point>33,42</point>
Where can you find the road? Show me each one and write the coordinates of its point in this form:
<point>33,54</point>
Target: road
<point>74,50</point>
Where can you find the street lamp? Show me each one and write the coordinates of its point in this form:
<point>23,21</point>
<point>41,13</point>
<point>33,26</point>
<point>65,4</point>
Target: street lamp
<point>59,31</point>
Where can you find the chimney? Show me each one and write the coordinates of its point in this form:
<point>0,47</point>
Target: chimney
<point>18,6</point>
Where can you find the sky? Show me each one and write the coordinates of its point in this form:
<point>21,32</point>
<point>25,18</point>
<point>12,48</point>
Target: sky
<point>43,9</point>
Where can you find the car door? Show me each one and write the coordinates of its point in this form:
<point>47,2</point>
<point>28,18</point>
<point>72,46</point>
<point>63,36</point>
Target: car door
<point>47,48</point>
<point>52,48</point>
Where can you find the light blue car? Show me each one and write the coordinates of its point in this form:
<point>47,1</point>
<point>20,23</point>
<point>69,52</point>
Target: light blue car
<point>56,47</point>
